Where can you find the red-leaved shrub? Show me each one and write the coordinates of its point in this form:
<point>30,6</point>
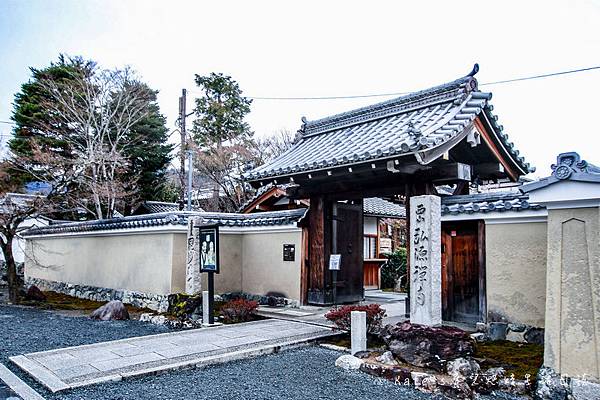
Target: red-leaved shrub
<point>340,316</point>
<point>238,310</point>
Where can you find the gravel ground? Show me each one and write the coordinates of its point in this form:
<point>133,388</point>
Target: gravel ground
<point>305,373</point>
<point>26,330</point>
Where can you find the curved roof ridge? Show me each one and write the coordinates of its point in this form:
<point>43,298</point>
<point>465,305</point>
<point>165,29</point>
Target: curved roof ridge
<point>421,98</point>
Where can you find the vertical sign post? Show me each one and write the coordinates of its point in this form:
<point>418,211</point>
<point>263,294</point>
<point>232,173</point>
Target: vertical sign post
<point>209,262</point>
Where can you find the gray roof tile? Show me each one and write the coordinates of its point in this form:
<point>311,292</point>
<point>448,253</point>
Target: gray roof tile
<point>421,120</point>
<point>487,202</point>
<point>378,207</point>
<point>270,218</point>
<point>153,207</point>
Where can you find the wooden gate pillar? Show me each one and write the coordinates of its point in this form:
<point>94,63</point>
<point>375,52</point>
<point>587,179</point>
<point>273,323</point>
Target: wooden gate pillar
<point>319,291</point>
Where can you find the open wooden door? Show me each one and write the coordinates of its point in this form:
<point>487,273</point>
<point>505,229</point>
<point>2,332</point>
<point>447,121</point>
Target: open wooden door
<point>463,272</point>
<point>347,240</point>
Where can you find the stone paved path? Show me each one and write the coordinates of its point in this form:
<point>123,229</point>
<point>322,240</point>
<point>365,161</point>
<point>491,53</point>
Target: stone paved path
<point>392,302</point>
<point>78,366</point>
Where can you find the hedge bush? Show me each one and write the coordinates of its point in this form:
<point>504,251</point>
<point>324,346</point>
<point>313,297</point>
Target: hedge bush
<point>238,310</point>
<point>341,316</point>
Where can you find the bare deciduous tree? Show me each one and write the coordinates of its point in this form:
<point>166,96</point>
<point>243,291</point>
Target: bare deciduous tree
<point>16,208</point>
<point>225,165</point>
<point>93,112</point>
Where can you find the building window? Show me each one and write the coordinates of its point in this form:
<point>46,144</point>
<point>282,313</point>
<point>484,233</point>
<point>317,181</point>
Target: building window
<point>370,247</point>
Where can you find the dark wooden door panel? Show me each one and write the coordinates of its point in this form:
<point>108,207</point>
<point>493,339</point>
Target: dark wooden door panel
<point>461,289</point>
<point>466,276</point>
<point>348,237</point>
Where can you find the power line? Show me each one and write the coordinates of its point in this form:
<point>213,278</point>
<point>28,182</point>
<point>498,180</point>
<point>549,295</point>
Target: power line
<point>7,122</point>
<point>362,96</point>
<point>573,71</point>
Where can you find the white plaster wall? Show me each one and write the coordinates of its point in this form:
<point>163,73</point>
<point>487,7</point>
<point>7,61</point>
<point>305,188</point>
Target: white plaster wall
<point>251,261</point>
<point>516,271</point>
<point>263,268</point>
<point>138,262</point>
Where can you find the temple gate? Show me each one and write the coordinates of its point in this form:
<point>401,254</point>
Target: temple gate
<point>401,148</point>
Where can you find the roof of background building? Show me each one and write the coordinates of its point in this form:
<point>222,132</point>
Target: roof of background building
<point>271,218</point>
<point>418,122</point>
<point>487,202</point>
<point>378,207</point>
<point>153,207</point>
<point>372,206</point>
<point>569,166</point>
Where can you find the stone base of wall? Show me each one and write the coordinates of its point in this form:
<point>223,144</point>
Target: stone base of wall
<point>155,302</point>
<point>513,332</point>
<point>274,301</point>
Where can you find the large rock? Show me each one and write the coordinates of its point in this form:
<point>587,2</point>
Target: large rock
<point>498,330</point>
<point>463,368</point>
<point>551,386</point>
<point>34,293</point>
<point>427,347</point>
<point>424,382</point>
<point>400,375</point>
<point>387,358</point>
<point>348,362</point>
<point>534,335</point>
<point>113,310</point>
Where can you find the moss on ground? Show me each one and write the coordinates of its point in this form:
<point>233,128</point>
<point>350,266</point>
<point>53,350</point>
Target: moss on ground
<point>516,358</point>
<point>60,301</point>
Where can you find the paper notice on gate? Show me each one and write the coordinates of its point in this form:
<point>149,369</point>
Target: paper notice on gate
<point>334,262</point>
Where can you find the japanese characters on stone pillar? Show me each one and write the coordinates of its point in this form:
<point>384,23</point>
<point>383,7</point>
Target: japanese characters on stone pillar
<point>425,260</point>
<point>193,282</point>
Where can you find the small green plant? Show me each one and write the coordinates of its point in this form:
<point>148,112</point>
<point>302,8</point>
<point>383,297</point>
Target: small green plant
<point>394,269</point>
<point>239,310</point>
<point>341,316</point>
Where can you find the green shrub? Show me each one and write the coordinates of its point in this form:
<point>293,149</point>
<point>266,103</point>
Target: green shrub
<point>393,269</point>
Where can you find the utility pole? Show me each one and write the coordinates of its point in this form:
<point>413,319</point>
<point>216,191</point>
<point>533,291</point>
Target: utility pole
<point>190,154</point>
<point>183,146</point>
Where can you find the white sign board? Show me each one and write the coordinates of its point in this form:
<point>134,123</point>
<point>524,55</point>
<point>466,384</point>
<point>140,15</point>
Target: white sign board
<point>334,262</point>
<point>385,245</point>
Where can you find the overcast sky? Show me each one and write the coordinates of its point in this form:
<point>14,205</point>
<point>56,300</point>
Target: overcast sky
<point>331,48</point>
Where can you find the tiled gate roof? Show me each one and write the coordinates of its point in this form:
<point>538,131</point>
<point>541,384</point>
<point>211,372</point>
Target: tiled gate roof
<point>419,121</point>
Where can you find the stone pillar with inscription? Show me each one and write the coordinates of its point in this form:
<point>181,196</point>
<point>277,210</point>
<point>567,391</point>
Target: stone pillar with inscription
<point>425,260</point>
<point>193,283</point>
<point>572,319</point>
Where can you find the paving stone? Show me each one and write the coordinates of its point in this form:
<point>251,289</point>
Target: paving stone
<point>19,387</point>
<point>90,355</point>
<point>124,349</point>
<point>61,369</point>
<point>125,361</point>
<point>183,350</point>
<point>75,371</point>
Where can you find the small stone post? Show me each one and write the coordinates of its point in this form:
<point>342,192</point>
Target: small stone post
<point>358,331</point>
<point>425,260</point>
<point>205,307</point>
